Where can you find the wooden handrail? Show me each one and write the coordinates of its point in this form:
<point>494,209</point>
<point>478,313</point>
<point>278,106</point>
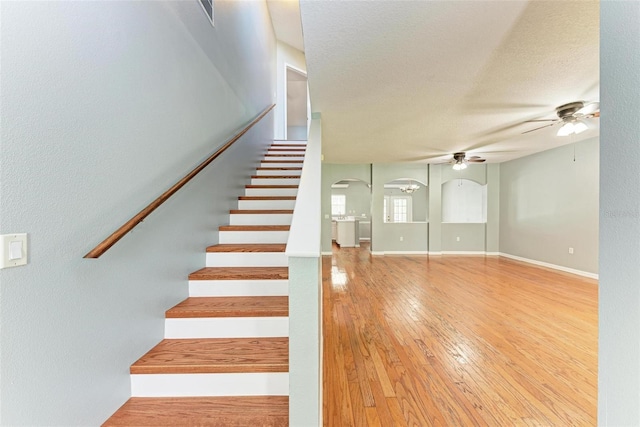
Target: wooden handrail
<point>140,216</point>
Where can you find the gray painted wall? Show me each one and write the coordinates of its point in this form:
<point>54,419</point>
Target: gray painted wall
<point>104,105</point>
<point>619,331</point>
<point>297,133</point>
<point>492,242</point>
<point>549,202</point>
<point>472,237</point>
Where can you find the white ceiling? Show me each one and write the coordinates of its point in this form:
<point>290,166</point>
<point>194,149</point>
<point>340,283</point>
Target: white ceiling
<point>409,80</point>
<point>285,17</point>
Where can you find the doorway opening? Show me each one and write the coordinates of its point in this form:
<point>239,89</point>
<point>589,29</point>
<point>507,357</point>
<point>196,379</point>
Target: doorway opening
<point>296,105</point>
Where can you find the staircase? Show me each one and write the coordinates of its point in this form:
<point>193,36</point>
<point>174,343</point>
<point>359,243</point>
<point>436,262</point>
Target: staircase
<point>225,357</point>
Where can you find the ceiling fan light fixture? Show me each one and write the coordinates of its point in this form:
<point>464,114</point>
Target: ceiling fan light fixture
<point>579,126</point>
<point>459,165</point>
<point>567,129</point>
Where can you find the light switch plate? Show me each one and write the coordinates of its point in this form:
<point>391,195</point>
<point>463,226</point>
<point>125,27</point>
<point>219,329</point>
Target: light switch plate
<point>13,250</point>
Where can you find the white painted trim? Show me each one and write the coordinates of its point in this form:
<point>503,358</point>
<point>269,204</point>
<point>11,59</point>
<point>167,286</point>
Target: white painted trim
<point>304,236</point>
<point>226,237</point>
<point>246,259</point>
<point>238,288</point>
<point>377,253</point>
<point>492,253</point>
<point>435,253</point>
<point>324,253</point>
<point>227,384</point>
<point>226,327</point>
<point>463,253</point>
<point>552,266</point>
<point>406,252</point>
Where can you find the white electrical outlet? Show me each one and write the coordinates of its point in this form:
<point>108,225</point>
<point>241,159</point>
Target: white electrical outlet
<point>401,238</point>
<point>458,239</point>
<point>571,251</point>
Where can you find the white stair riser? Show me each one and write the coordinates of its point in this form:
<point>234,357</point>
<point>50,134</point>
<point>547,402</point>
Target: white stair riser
<point>227,327</point>
<point>266,204</point>
<point>227,384</point>
<point>260,219</point>
<point>253,237</point>
<point>281,152</point>
<point>246,259</point>
<point>261,172</point>
<point>284,158</point>
<point>238,288</point>
<point>275,181</point>
<point>270,191</point>
<point>281,165</point>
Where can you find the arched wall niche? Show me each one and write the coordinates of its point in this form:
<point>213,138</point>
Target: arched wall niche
<point>464,201</point>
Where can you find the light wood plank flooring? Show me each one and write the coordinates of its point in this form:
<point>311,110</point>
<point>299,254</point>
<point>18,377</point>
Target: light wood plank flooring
<point>456,341</point>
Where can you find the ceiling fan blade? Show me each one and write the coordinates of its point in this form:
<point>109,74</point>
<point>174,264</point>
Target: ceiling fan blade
<point>541,127</point>
<point>471,160</point>
<point>541,120</point>
<point>474,157</point>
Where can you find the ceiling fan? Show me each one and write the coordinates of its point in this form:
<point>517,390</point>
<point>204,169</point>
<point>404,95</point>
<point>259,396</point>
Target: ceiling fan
<point>460,160</point>
<point>572,117</point>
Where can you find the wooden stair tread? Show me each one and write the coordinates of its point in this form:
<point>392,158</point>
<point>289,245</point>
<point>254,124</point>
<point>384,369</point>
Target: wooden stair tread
<point>215,355</point>
<point>267,198</point>
<point>260,211</point>
<point>248,247</point>
<point>263,306</point>
<point>254,228</point>
<point>284,155</point>
<point>240,273</point>
<point>289,149</point>
<point>275,176</point>
<point>270,186</point>
<point>267,411</point>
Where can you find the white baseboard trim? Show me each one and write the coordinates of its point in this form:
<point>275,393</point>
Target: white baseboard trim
<point>365,239</point>
<point>327,253</point>
<point>553,266</point>
<point>435,253</point>
<point>492,253</point>
<point>400,253</point>
<point>463,253</point>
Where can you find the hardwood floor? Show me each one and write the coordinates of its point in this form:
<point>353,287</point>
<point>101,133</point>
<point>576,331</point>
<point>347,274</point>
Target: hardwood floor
<point>456,341</point>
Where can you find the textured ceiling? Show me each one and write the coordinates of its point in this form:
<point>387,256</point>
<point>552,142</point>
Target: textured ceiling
<point>410,80</point>
<point>285,17</point>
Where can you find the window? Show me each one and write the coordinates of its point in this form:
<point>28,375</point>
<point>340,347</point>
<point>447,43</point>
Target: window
<point>397,209</point>
<point>207,5</point>
<point>338,204</point>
